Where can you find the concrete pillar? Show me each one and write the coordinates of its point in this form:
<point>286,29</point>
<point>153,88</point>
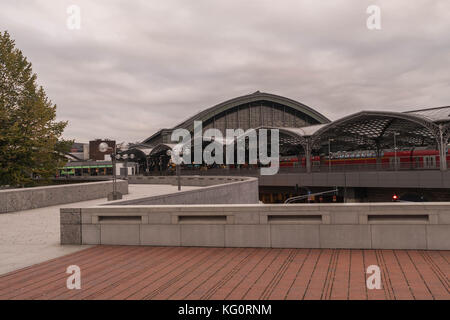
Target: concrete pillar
<point>308,157</point>
<point>442,146</point>
<point>443,158</point>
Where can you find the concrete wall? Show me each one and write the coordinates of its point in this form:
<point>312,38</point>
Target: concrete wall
<point>38,197</point>
<point>215,190</point>
<point>194,180</point>
<point>391,179</point>
<point>358,226</point>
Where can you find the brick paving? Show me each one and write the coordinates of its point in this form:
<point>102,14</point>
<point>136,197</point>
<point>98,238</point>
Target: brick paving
<point>124,272</point>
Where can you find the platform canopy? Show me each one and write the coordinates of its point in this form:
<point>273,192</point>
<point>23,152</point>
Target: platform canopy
<point>375,130</point>
<point>161,149</point>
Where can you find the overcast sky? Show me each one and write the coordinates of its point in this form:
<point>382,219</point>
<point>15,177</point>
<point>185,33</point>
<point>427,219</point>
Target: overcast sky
<point>137,66</point>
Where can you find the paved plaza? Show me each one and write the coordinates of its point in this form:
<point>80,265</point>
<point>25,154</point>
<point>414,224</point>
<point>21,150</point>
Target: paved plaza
<point>33,265</point>
<point>32,236</point>
<point>127,272</point>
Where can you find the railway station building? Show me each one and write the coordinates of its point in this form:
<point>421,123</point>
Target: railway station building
<point>309,141</point>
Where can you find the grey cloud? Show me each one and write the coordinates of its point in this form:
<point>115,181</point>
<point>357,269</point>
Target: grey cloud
<point>138,66</point>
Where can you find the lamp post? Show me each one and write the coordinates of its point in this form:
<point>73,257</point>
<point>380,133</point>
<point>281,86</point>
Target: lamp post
<point>125,164</point>
<point>104,147</point>
<point>170,154</point>
<point>179,154</point>
<point>395,150</point>
<point>329,153</point>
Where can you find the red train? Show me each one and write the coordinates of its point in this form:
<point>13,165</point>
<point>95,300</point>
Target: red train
<point>411,159</point>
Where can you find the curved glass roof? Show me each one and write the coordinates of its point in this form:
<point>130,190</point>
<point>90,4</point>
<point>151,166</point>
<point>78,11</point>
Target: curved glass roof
<point>256,96</point>
<point>440,114</point>
<point>365,129</point>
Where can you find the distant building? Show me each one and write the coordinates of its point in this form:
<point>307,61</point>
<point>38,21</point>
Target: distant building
<point>87,160</point>
<point>79,151</point>
<point>95,154</point>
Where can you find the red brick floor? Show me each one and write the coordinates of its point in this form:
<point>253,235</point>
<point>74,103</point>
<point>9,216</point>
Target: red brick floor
<point>122,272</point>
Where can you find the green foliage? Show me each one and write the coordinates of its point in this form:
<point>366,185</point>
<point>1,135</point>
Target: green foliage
<point>30,144</point>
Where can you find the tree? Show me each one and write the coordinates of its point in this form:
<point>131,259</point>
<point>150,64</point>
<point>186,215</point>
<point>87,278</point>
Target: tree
<point>30,144</point>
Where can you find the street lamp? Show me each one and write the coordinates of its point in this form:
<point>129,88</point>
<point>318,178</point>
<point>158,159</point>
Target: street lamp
<point>395,149</point>
<point>329,153</point>
<point>179,153</point>
<point>104,147</point>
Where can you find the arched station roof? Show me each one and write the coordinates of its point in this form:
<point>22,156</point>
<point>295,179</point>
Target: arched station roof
<point>254,97</point>
<point>249,111</point>
<point>365,129</point>
<point>436,115</point>
<point>161,148</point>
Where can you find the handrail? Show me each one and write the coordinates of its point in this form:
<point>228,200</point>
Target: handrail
<point>292,199</point>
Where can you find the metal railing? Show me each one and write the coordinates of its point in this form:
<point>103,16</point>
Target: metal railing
<point>254,171</point>
<point>306,196</point>
<point>371,167</point>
